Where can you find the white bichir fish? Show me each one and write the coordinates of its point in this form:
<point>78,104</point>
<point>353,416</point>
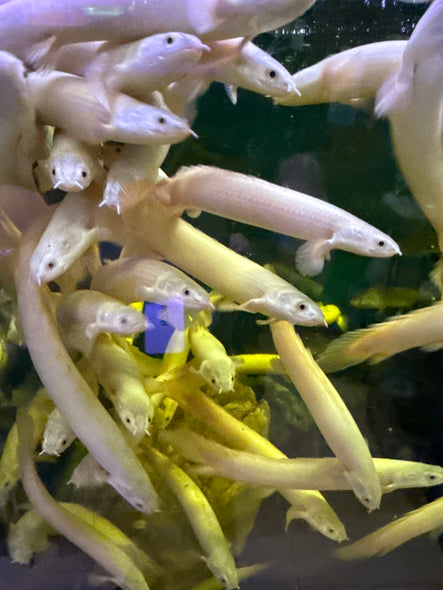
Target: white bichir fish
<point>133,121</point>
<point>69,233</point>
<point>301,473</point>
<point>72,165</point>
<point>71,393</point>
<point>419,328</point>
<point>22,140</point>
<point>215,366</point>
<point>58,434</point>
<point>101,547</point>
<point>121,379</point>
<point>412,99</point>
<point>86,313</point>
<point>423,520</point>
<point>235,64</point>
<point>350,76</point>
<point>255,288</point>
<point>66,101</point>
<point>135,163</point>
<point>202,519</point>
<point>330,414</point>
<point>50,24</point>
<point>263,204</point>
<point>146,279</point>
<point>136,68</point>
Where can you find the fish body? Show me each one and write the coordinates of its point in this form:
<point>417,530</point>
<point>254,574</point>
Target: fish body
<point>345,77</point>
<point>72,164</point>
<point>140,67</point>
<point>202,519</point>
<point>421,327</point>
<point>145,279</point>
<point>136,162</point>
<point>22,140</point>
<point>69,233</point>
<point>267,205</point>
<point>95,313</point>
<point>215,366</point>
<point>330,414</point>
<point>83,534</point>
<point>120,377</point>
<point>23,23</point>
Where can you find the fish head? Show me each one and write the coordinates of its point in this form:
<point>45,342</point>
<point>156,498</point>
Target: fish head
<point>140,123</point>
<point>135,421</point>
<point>219,373</point>
<point>257,71</point>
<point>367,241</point>
<point>71,172</point>
<point>117,318</point>
<point>292,306</point>
<point>166,53</point>
<point>222,566</point>
<point>184,289</point>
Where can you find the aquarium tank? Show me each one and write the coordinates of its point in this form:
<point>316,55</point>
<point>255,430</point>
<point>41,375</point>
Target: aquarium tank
<point>221,325</point>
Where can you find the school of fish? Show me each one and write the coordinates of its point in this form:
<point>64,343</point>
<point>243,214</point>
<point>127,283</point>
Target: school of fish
<point>92,97</point>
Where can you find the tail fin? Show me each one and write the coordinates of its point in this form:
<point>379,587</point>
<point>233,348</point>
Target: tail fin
<point>393,93</point>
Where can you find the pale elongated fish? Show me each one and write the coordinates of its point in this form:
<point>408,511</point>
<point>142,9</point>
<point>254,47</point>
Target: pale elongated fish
<point>135,163</point>
<point>330,414</point>
<point>72,164</point>
<point>247,283</point>
<point>86,313</point>
<point>22,141</point>
<point>302,473</point>
<point>69,233</point>
<point>263,204</point>
<point>23,23</point>
<point>215,366</point>
<point>422,327</point>
<point>83,534</point>
<point>119,374</point>
<point>66,101</point>
<point>71,393</point>
<point>412,100</point>
<point>354,74</point>
<point>235,64</point>
<point>423,520</point>
<point>145,279</point>
<point>136,122</point>
<point>201,517</point>
<point>140,67</point>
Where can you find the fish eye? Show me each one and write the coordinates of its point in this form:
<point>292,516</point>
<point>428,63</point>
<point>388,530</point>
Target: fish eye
<point>431,476</point>
<point>381,243</point>
<point>161,120</point>
<point>53,172</point>
<point>128,420</point>
<point>272,74</point>
<point>186,292</point>
<point>213,381</point>
<point>302,306</point>
<point>169,40</point>
<point>84,173</point>
<point>50,265</point>
<point>123,320</point>
<point>138,505</point>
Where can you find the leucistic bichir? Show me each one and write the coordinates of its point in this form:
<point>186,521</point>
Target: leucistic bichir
<point>248,199</point>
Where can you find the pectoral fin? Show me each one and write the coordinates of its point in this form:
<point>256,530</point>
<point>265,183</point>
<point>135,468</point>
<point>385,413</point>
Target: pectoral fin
<point>310,257</point>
